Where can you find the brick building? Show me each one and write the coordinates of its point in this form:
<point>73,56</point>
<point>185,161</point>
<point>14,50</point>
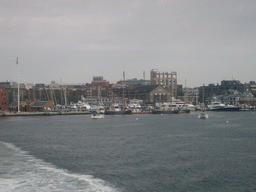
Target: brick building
<point>33,106</point>
<point>4,99</point>
<point>99,81</point>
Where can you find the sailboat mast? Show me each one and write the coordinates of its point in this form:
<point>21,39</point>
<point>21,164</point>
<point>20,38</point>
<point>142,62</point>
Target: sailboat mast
<point>196,97</point>
<point>113,101</point>
<point>186,93</point>
<point>123,100</point>
<point>18,85</point>
<point>65,96</point>
<point>61,90</point>
<point>203,97</point>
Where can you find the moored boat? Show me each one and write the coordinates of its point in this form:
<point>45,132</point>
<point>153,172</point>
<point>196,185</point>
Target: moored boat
<point>218,106</point>
<point>203,115</point>
<point>116,110</point>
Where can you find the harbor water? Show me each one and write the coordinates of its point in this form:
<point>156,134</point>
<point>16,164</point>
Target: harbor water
<point>147,152</point>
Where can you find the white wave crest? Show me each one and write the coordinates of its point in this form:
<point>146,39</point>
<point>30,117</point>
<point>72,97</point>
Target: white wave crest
<point>23,172</point>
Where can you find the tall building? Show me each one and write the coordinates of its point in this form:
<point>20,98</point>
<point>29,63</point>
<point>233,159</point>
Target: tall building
<point>167,79</point>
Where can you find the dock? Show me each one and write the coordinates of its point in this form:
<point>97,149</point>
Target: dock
<point>13,114</point>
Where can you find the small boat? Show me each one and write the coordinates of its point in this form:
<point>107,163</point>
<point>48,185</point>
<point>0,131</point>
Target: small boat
<point>203,115</point>
<point>96,115</point>
<point>160,111</point>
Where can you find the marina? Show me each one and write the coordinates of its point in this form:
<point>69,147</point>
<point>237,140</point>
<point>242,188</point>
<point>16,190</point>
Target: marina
<point>13,114</point>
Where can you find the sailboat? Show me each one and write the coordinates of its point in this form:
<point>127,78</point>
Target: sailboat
<point>116,109</point>
<point>98,107</point>
<point>203,115</point>
<point>100,110</point>
<point>97,115</point>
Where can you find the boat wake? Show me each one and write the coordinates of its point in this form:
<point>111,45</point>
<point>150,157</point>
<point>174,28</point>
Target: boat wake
<point>23,172</point>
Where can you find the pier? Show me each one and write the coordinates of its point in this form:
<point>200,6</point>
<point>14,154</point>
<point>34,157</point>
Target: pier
<point>12,114</point>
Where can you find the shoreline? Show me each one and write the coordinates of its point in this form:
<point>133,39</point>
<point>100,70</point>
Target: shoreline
<point>49,113</point>
<point>8,114</point>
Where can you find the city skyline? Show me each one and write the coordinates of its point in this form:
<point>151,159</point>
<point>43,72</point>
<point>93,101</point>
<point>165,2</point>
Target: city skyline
<point>204,42</point>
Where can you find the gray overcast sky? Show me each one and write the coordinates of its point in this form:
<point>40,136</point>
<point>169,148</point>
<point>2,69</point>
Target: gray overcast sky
<point>205,41</point>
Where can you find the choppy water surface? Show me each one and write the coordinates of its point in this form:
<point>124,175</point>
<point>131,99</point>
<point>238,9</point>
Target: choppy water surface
<point>129,153</point>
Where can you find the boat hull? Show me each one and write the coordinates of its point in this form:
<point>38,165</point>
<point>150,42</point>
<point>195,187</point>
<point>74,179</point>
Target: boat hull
<point>118,112</point>
<point>97,116</point>
<point>226,109</point>
<point>165,112</point>
<point>203,115</point>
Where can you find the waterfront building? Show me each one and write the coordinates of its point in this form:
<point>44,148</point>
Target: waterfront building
<point>6,85</point>
<point>33,106</point>
<point>42,106</point>
<point>247,98</point>
<point>135,81</point>
<point>149,94</point>
<point>99,81</point>
<point>98,84</point>
<point>166,79</point>
<point>189,95</point>
<point>4,99</point>
<point>213,90</point>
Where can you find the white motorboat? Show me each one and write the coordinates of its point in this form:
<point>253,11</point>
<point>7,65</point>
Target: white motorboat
<point>96,115</point>
<point>73,106</point>
<point>134,106</point>
<point>115,108</point>
<point>203,115</point>
<point>99,108</point>
<point>175,105</point>
<point>83,106</point>
<point>218,106</point>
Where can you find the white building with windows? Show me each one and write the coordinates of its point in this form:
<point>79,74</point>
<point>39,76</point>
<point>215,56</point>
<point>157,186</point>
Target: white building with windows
<point>167,79</point>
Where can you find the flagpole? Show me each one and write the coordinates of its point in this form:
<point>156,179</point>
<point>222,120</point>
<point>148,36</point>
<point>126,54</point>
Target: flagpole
<point>18,85</point>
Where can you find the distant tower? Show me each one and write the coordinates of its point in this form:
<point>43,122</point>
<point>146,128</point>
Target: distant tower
<point>123,76</point>
<point>153,76</point>
<point>143,75</point>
